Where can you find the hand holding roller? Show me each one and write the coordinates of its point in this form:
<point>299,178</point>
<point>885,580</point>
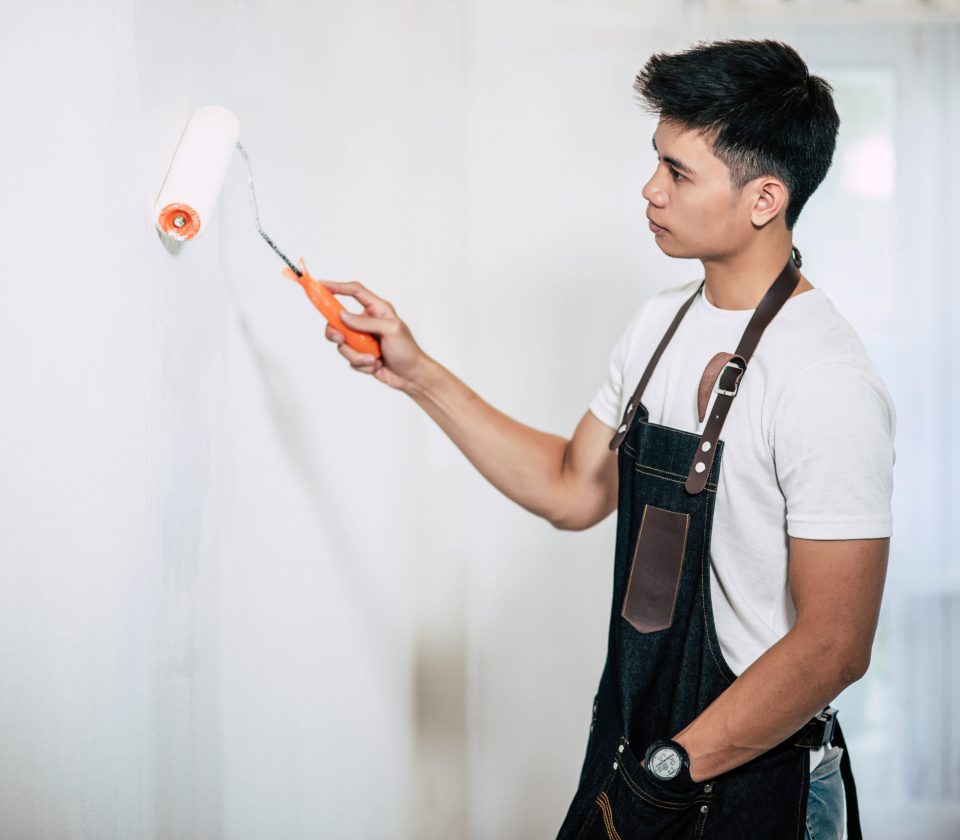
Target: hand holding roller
<point>330,308</point>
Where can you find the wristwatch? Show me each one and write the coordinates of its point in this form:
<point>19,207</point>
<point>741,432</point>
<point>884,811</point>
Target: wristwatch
<point>668,764</point>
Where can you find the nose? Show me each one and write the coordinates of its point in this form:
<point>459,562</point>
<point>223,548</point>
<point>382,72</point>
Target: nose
<point>652,193</point>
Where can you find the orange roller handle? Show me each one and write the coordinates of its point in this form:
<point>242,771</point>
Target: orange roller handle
<point>330,308</point>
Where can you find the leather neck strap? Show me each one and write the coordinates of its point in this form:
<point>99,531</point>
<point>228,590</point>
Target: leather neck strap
<point>728,381</point>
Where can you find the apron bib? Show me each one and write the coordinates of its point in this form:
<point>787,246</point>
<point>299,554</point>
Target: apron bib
<point>664,665</point>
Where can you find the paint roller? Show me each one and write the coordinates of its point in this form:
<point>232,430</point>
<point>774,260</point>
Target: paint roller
<point>183,208</point>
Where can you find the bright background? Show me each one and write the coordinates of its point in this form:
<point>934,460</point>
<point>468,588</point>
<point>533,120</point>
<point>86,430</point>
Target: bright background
<point>248,593</point>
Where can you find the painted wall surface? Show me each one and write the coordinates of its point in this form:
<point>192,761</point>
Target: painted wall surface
<point>206,590</point>
<point>244,591</point>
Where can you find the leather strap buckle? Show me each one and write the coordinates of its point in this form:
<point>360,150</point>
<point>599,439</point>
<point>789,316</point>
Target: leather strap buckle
<point>818,730</point>
<point>736,383</point>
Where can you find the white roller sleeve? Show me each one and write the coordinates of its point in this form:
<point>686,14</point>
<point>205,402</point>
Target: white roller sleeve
<point>190,190</point>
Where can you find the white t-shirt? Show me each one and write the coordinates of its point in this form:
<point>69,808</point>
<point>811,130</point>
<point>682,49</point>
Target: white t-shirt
<point>808,443</point>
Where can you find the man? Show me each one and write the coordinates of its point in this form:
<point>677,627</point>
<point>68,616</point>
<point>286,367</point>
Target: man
<point>749,568</point>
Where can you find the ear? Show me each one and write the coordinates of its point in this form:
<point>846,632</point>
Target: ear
<point>770,199</point>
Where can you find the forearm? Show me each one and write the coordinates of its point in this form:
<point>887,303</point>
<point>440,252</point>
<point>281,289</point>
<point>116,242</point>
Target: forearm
<point>768,702</point>
<point>524,464</point>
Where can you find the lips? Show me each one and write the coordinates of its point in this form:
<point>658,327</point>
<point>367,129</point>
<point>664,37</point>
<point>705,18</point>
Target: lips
<point>654,226</point>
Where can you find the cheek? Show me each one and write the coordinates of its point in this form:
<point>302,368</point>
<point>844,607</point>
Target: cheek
<point>690,211</point>
<point>708,208</point>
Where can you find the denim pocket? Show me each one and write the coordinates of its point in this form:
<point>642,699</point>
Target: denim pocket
<point>654,578</point>
<point>825,799</point>
<point>631,801</point>
<point>830,763</point>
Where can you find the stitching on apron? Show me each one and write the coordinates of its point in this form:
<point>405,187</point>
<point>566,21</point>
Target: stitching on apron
<point>707,520</point>
<point>683,554</point>
<point>587,825</point>
<point>701,825</point>
<point>662,803</point>
<point>805,771</point>
<point>638,468</point>
<point>671,428</point>
<point>633,565</point>
<point>607,810</point>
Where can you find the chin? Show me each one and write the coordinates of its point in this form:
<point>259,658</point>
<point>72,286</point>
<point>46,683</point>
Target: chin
<point>670,248</point>
<point>677,250</point>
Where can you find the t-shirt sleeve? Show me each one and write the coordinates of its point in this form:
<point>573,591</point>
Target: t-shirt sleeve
<point>607,403</point>
<point>833,441</point>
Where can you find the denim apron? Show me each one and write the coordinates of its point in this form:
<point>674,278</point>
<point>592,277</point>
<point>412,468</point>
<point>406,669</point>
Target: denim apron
<point>664,665</point>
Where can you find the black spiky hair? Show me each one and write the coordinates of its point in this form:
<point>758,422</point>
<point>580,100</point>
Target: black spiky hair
<point>758,106</point>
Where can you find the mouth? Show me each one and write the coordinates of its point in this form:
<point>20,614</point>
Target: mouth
<point>655,227</point>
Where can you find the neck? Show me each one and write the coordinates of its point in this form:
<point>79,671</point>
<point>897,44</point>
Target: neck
<point>739,281</point>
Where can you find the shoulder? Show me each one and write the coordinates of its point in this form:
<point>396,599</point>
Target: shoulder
<point>827,377</point>
<point>810,333</point>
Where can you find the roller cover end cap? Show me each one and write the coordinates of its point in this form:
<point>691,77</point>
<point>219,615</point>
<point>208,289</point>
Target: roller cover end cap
<point>179,221</point>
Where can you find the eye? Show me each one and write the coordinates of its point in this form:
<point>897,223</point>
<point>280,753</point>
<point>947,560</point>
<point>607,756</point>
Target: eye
<point>675,175</point>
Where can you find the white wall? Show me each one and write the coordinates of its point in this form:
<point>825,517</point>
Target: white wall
<point>206,593</point>
<point>244,591</point>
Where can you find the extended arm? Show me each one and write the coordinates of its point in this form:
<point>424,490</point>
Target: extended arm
<point>836,586</point>
<point>570,483</point>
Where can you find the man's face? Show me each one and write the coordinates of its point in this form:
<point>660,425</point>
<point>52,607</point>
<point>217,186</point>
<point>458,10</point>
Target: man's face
<point>689,195</point>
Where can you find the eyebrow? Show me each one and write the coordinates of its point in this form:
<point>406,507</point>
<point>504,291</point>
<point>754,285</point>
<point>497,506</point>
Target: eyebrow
<point>673,161</point>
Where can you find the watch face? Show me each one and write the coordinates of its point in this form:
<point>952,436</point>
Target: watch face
<point>665,763</point>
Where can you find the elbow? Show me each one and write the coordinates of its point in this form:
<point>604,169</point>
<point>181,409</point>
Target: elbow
<point>561,523</point>
<point>853,666</point>
<point>560,513</point>
<point>838,662</point>
<point>564,521</point>
<point>579,520</point>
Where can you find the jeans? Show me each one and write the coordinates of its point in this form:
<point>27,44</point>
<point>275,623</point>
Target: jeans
<point>825,807</point>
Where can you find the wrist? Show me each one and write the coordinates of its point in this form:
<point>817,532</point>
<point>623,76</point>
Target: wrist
<point>668,764</point>
<point>420,380</point>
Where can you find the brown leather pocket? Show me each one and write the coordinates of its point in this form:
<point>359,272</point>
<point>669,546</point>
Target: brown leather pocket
<point>655,573</point>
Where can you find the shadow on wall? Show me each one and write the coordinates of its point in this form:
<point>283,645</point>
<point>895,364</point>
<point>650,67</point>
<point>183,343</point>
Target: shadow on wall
<point>297,442</point>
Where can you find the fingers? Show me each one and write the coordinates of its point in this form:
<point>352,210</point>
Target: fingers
<point>362,362</point>
<point>376,306</point>
<point>366,323</point>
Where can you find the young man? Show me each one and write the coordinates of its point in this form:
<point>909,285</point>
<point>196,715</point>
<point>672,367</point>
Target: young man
<point>749,568</point>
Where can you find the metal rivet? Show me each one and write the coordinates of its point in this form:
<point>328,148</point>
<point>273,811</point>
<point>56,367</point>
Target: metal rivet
<point>620,748</point>
<point>708,788</point>
<point>622,429</point>
<point>615,765</point>
<point>700,467</point>
<point>706,446</point>
<point>704,809</point>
